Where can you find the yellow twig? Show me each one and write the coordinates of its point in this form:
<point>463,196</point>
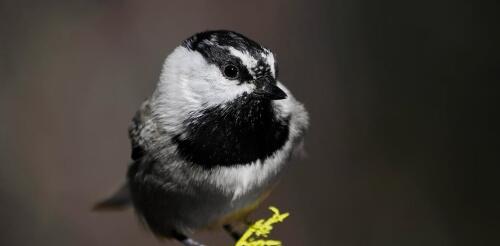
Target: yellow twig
<point>255,234</point>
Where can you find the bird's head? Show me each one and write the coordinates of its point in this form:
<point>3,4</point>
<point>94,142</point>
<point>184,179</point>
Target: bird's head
<point>215,67</point>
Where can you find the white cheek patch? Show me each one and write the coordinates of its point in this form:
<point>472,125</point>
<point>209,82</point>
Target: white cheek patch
<point>189,83</point>
<point>221,90</point>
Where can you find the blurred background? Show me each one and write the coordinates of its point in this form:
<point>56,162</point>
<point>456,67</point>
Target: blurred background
<point>403,145</point>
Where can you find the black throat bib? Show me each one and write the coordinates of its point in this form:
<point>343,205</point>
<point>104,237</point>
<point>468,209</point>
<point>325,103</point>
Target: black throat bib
<point>238,133</point>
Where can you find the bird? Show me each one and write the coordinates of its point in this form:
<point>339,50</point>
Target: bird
<point>212,140</point>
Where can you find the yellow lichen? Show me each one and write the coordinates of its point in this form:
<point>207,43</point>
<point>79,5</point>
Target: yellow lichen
<point>257,233</point>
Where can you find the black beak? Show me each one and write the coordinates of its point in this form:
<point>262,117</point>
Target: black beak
<point>267,88</point>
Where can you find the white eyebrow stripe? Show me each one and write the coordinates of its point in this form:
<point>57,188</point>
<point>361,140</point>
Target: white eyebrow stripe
<point>245,58</point>
<point>270,61</point>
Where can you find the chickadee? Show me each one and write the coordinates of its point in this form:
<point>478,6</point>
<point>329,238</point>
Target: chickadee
<point>210,143</point>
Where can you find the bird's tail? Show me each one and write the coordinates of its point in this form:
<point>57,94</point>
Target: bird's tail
<point>119,200</point>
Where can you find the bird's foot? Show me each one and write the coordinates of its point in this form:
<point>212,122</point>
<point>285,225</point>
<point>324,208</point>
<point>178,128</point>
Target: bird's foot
<point>232,232</point>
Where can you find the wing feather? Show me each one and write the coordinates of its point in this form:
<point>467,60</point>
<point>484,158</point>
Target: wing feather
<point>140,131</point>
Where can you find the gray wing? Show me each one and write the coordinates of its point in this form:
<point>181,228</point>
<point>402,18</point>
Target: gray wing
<point>140,131</point>
<point>140,136</point>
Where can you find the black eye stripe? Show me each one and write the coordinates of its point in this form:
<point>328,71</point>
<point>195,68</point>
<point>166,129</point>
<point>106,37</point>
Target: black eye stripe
<point>212,48</point>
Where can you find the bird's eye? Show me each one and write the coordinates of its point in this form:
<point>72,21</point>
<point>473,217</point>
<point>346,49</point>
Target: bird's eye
<point>231,71</point>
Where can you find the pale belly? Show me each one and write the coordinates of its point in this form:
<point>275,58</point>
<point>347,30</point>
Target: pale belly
<point>227,195</point>
<point>209,209</point>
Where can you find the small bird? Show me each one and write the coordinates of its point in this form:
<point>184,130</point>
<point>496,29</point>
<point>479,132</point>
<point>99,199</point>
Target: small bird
<point>210,143</point>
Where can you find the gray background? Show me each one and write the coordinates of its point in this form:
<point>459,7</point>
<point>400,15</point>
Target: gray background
<point>402,145</point>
